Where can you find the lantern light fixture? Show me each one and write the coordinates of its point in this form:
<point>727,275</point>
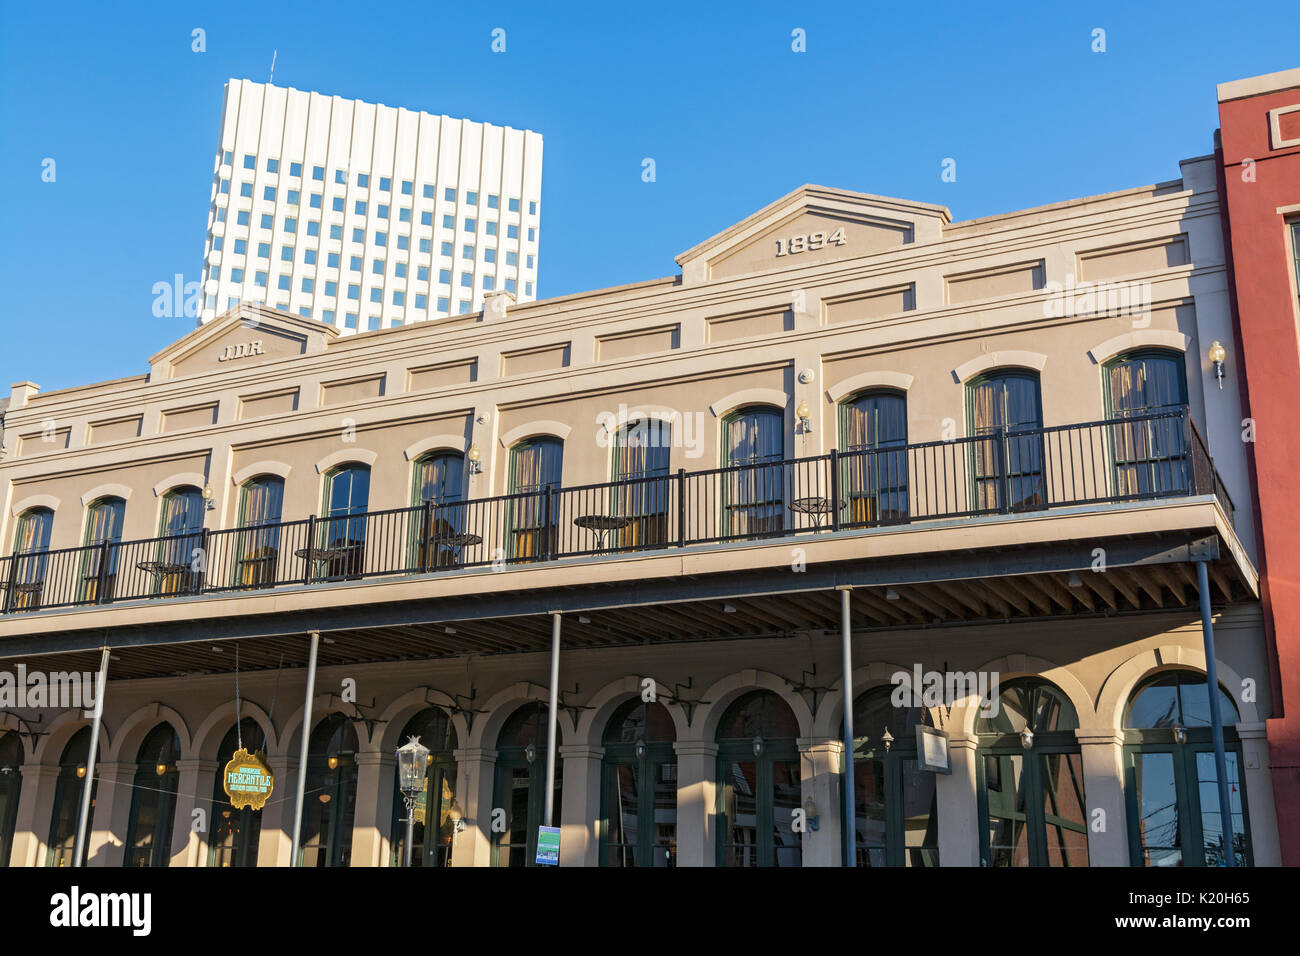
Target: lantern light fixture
<point>1180,734</point>
<point>475,460</point>
<point>1218,355</point>
<point>641,749</point>
<point>1027,738</point>
<point>757,745</point>
<point>804,414</point>
<point>530,753</point>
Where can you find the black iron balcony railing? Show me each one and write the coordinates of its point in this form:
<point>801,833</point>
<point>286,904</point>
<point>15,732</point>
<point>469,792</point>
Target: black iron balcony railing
<point>1001,471</point>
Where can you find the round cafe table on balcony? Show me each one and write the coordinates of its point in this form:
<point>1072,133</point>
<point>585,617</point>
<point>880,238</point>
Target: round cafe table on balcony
<point>163,568</point>
<point>815,507</point>
<point>458,541</point>
<point>601,526</point>
<point>322,557</point>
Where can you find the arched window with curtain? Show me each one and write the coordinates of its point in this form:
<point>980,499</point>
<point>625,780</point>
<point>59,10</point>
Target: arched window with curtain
<point>67,801</point>
<point>11,783</point>
<point>439,491</point>
<point>641,472</point>
<point>1030,779</point>
<point>153,799</point>
<point>330,802</point>
<point>434,826</point>
<point>1006,417</point>
<point>521,785</point>
<point>758,783</point>
<point>638,820</point>
<point>754,484</point>
<point>1170,781</point>
<point>257,547</point>
<point>31,560</point>
<point>1146,389</point>
<point>235,832</point>
<point>341,531</point>
<point>180,529</point>
<point>896,807</point>
<point>535,465</point>
<point>98,569</point>
<point>873,463</point>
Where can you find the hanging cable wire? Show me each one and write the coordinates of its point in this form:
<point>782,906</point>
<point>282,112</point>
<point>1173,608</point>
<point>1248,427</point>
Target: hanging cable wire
<point>239,729</point>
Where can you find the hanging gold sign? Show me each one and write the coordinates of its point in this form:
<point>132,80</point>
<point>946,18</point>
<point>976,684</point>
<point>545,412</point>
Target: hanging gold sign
<point>248,780</point>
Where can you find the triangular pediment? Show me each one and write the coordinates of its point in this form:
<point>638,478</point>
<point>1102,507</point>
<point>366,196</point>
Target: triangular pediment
<point>248,335</point>
<point>811,225</point>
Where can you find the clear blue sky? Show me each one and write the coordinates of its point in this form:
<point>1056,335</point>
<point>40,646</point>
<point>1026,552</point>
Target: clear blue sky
<point>732,117</point>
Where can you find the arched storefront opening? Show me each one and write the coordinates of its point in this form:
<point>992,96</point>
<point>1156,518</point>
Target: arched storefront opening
<point>67,801</point>
<point>758,783</point>
<point>521,785</point>
<point>434,827</point>
<point>153,799</point>
<point>235,832</point>
<point>1170,780</point>
<point>330,801</point>
<point>896,807</point>
<point>1030,779</point>
<point>638,821</point>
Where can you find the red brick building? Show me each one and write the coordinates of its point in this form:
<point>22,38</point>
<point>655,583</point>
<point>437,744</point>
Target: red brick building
<point>1259,154</point>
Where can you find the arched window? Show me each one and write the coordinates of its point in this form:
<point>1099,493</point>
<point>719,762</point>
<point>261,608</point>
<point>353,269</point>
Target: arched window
<point>1031,799</point>
<point>1006,417</point>
<point>99,560</point>
<point>257,548</point>
<point>180,530</point>
<point>754,446</point>
<point>153,799</point>
<point>11,781</point>
<point>896,805</point>
<point>30,560</point>
<point>1171,784</point>
<point>67,801</point>
<point>434,827</point>
<point>535,465</point>
<point>235,833</point>
<point>873,436</point>
<point>639,804</point>
<point>641,471</point>
<point>758,783</point>
<point>341,531</point>
<point>439,490</point>
<point>1146,389</point>
<point>330,803</point>
<point>521,785</point>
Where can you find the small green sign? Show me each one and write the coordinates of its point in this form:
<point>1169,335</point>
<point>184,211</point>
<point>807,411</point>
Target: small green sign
<point>548,846</point>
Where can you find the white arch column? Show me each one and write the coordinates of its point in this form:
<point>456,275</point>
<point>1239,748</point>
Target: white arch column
<point>196,778</point>
<point>475,780</point>
<point>1103,789</point>
<point>374,808</point>
<point>820,760</point>
<point>697,795</point>
<point>1265,848</point>
<point>274,842</point>
<point>956,797</point>
<point>106,841</point>
<point>580,805</point>
<point>32,822</point>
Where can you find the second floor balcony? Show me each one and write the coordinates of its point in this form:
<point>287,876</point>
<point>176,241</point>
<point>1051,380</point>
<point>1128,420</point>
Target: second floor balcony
<point>1000,472</point>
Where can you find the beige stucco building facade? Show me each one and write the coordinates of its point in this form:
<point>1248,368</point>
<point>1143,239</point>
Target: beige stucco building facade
<point>1001,438</point>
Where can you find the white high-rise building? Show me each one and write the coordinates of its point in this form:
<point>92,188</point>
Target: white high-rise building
<point>366,216</point>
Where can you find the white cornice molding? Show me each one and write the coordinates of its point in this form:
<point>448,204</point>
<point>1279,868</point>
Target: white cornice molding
<point>857,383</point>
<point>1005,358</point>
<point>105,491</point>
<point>367,458</point>
<point>277,468</point>
<point>749,396</point>
<point>1139,338</point>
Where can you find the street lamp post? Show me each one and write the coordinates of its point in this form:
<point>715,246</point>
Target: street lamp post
<point>412,772</point>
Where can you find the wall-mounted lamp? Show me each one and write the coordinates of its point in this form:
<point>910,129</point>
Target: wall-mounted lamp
<point>811,815</point>
<point>804,414</point>
<point>160,770</point>
<point>1217,355</point>
<point>475,460</point>
<point>887,739</point>
<point>456,815</point>
<point>81,771</point>
<point>641,750</point>
<point>530,753</point>
<point>209,498</point>
<point>333,762</point>
<point>1027,739</point>
<point>1180,734</point>
<point>757,746</point>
